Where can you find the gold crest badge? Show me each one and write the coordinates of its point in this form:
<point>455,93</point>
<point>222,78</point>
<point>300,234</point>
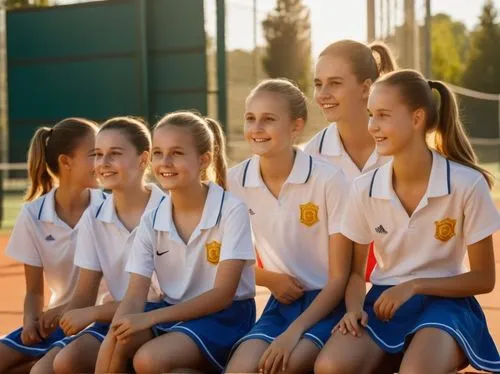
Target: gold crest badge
<point>213,252</point>
<point>445,229</point>
<point>309,214</point>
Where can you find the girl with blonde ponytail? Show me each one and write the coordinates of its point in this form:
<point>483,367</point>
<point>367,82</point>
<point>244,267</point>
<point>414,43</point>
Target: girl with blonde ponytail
<point>425,210</point>
<point>198,242</point>
<point>62,182</point>
<point>344,73</point>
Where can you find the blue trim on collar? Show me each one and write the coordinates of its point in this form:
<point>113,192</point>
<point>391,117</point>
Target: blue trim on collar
<point>371,184</point>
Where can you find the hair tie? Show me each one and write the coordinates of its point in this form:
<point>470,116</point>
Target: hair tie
<point>49,134</point>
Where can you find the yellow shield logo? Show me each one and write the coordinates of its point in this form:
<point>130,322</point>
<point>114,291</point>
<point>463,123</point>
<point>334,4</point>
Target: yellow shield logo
<point>445,229</point>
<point>213,252</point>
<point>309,214</point>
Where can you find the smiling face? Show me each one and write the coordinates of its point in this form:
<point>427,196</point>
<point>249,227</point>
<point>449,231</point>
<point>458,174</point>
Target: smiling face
<point>81,161</point>
<point>176,162</point>
<point>269,128</point>
<point>337,90</point>
<point>117,161</point>
<point>392,124</point>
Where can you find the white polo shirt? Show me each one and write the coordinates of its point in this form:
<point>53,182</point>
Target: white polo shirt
<point>104,244</point>
<point>186,270</point>
<point>40,238</point>
<point>456,211</point>
<point>327,144</point>
<point>291,232</point>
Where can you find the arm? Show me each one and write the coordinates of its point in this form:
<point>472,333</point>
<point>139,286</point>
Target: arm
<point>33,304</point>
<point>339,267</point>
<point>218,298</point>
<point>480,279</point>
<point>285,288</point>
<point>81,310</point>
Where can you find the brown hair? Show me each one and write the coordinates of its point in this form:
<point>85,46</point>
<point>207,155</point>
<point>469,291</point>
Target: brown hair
<point>135,129</point>
<point>207,136</point>
<point>45,148</point>
<point>296,99</point>
<point>442,116</point>
<point>367,61</point>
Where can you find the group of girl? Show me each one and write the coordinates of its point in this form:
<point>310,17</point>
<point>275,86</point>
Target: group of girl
<point>393,171</point>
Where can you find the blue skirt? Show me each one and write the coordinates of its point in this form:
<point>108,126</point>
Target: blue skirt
<point>13,340</point>
<point>214,334</point>
<point>98,330</point>
<point>462,318</point>
<point>276,318</point>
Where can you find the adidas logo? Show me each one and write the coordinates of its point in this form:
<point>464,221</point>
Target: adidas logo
<point>252,213</point>
<point>49,238</point>
<point>380,229</point>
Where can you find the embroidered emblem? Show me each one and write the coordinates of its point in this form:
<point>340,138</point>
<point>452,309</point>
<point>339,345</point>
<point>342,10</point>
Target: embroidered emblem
<point>381,230</point>
<point>309,214</point>
<point>445,229</point>
<point>50,238</point>
<point>213,252</point>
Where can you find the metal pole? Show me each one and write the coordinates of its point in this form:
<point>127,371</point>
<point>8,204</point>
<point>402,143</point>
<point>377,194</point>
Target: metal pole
<point>428,40</point>
<point>370,20</point>
<point>221,65</point>
<point>143,56</point>
<point>255,52</point>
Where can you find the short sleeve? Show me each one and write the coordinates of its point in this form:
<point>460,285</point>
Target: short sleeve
<point>86,246</point>
<point>481,217</point>
<point>141,259</point>
<point>23,246</point>
<point>354,223</point>
<point>336,195</point>
<point>237,235</point>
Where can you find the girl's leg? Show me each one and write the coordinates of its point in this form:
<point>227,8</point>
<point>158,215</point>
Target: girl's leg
<point>344,354</point>
<point>10,358</point>
<point>79,356</point>
<point>247,356</point>
<point>113,357</point>
<point>169,352</point>
<point>303,357</point>
<point>45,364</point>
<point>441,352</point>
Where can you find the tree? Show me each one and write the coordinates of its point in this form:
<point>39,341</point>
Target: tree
<point>287,30</point>
<point>9,4</point>
<point>482,72</point>
<point>449,45</point>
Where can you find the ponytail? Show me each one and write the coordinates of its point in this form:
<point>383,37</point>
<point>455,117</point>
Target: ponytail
<point>366,61</point>
<point>450,137</point>
<point>219,152</point>
<point>45,148</point>
<point>41,181</point>
<point>386,62</point>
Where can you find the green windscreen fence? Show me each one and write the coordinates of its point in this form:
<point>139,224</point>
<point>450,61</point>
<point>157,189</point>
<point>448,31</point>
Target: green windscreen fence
<point>102,59</point>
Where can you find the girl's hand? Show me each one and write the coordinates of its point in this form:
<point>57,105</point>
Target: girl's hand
<point>30,334</point>
<point>76,320</point>
<point>391,300</point>
<point>48,321</point>
<point>276,356</point>
<point>129,324</point>
<point>350,323</point>
<point>286,289</point>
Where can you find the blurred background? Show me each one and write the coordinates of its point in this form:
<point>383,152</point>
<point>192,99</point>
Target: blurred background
<point>97,59</point>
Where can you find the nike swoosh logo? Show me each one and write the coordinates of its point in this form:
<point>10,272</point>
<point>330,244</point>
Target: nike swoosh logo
<point>162,253</point>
